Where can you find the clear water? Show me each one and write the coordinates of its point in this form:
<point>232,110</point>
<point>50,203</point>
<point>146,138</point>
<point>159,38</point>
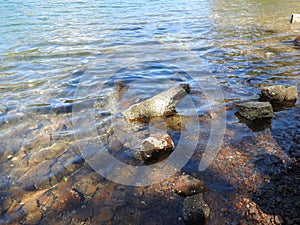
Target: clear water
<point>51,49</point>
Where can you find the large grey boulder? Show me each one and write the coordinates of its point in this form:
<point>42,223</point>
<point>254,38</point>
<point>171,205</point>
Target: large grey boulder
<point>159,105</point>
<point>255,110</point>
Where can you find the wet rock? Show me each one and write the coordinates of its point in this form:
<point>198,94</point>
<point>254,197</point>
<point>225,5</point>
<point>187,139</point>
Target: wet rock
<point>114,144</point>
<point>30,206</point>
<point>67,199</point>
<point>33,217</point>
<point>187,185</point>
<point>255,110</point>
<point>195,209</point>
<point>105,214</point>
<point>160,105</point>
<point>279,93</point>
<point>274,93</point>
<point>291,92</point>
<point>5,202</point>
<point>83,213</point>
<point>297,41</point>
<point>87,185</point>
<point>155,144</point>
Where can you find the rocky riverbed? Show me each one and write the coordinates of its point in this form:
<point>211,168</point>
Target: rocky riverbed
<point>253,180</point>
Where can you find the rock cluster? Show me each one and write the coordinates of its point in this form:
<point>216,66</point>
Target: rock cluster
<point>279,93</point>
<point>195,210</point>
<point>253,110</point>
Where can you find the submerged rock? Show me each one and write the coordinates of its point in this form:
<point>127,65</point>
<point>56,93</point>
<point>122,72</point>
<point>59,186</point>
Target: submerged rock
<point>255,110</point>
<point>187,185</point>
<point>195,210</point>
<point>279,93</point>
<point>159,105</point>
<point>157,143</point>
<point>297,41</point>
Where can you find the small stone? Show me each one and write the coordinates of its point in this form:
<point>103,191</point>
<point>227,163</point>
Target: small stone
<point>83,213</point>
<point>30,206</point>
<point>156,143</point>
<point>187,185</point>
<point>67,199</point>
<point>297,41</point>
<point>105,214</point>
<point>87,184</point>
<point>195,209</point>
<point>33,218</point>
<point>274,93</point>
<point>114,144</point>
<point>255,110</point>
<point>291,92</point>
<point>5,202</point>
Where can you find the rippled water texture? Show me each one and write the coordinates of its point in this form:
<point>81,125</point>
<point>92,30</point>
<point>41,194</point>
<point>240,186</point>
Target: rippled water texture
<point>107,55</point>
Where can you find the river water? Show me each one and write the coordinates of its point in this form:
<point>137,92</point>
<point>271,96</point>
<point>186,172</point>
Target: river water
<point>58,59</point>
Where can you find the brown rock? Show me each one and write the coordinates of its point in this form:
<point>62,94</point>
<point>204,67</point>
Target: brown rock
<point>16,192</point>
<point>30,206</point>
<point>156,143</point>
<point>291,93</point>
<point>46,201</point>
<point>33,217</point>
<point>187,185</point>
<point>297,41</point>
<point>67,199</point>
<point>86,184</point>
<point>105,214</point>
<point>5,202</point>
<point>83,213</point>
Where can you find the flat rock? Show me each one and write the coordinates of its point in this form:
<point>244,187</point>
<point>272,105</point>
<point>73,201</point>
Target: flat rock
<point>155,144</point>
<point>187,185</point>
<point>195,209</point>
<point>255,110</point>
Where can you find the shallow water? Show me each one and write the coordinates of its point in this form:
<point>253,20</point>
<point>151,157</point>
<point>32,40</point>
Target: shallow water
<point>60,62</point>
